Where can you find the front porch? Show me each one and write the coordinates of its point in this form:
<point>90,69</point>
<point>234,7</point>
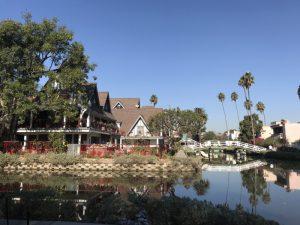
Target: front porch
<point>72,136</point>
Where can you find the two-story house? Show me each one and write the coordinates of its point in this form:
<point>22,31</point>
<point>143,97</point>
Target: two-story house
<point>94,124</point>
<point>132,120</point>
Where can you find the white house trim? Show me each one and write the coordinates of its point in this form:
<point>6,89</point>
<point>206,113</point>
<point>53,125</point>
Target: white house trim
<point>136,122</point>
<point>118,103</point>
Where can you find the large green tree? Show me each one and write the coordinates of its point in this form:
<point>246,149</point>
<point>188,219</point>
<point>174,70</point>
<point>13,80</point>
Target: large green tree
<point>31,51</point>
<point>172,123</point>
<point>246,128</point>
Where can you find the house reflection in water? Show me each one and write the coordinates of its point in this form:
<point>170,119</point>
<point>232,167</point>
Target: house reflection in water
<point>288,179</point>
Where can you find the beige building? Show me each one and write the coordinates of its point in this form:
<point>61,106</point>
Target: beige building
<point>286,130</point>
<point>266,132</point>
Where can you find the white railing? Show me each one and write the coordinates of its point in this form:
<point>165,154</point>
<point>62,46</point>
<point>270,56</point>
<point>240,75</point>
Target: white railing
<point>226,144</point>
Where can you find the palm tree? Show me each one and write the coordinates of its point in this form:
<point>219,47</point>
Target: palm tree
<point>234,98</point>
<point>299,91</point>
<point>153,99</point>
<point>221,98</point>
<point>261,108</point>
<point>246,81</point>
<point>248,104</point>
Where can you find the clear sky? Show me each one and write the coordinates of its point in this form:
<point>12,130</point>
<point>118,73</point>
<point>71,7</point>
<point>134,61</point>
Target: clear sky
<point>186,51</point>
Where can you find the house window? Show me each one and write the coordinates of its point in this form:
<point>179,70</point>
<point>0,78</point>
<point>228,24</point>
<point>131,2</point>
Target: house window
<point>140,130</point>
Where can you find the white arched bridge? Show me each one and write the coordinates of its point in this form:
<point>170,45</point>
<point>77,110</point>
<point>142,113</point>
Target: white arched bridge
<point>194,146</point>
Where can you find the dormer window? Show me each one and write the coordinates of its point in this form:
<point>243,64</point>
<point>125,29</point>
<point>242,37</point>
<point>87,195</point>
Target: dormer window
<point>119,106</point>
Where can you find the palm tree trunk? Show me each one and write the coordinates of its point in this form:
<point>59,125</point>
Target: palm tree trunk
<point>264,118</point>
<point>225,120</point>
<point>237,113</point>
<point>246,99</point>
<point>253,135</point>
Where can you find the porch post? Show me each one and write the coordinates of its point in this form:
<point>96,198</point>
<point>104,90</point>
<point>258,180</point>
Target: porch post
<point>25,142</point>
<point>79,139</point>
<point>65,122</point>
<point>88,120</point>
<point>157,142</point>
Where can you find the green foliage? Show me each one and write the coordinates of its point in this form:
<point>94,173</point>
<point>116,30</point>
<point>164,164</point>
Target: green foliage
<point>30,51</point>
<point>7,159</point>
<point>246,127</point>
<point>174,122</point>
<point>153,99</point>
<point>62,159</point>
<point>32,158</point>
<point>175,210</point>
<point>135,159</point>
<point>58,142</point>
<point>210,135</point>
<point>271,141</point>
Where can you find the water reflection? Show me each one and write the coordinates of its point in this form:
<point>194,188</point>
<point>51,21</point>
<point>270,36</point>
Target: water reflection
<point>270,191</point>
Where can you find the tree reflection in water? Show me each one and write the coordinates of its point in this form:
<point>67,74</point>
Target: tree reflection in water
<point>256,185</point>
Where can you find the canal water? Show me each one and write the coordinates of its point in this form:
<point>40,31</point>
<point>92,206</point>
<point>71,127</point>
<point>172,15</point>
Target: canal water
<point>271,190</point>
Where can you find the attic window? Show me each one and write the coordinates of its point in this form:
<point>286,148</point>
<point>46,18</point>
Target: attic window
<point>119,106</point>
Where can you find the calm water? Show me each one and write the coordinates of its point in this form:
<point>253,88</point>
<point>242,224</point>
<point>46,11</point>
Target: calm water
<point>272,191</point>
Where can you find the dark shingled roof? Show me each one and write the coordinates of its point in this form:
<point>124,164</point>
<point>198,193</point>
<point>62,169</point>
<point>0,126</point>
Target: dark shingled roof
<point>102,97</point>
<point>128,103</point>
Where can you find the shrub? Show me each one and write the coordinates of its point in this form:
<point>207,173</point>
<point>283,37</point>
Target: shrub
<point>62,159</point>
<point>7,159</point>
<point>135,159</point>
<point>31,158</point>
<point>58,142</point>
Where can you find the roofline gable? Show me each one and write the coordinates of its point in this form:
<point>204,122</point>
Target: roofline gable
<point>137,120</point>
<point>120,104</point>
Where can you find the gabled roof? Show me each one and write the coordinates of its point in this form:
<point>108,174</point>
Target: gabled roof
<point>102,97</point>
<point>135,123</point>
<point>127,103</point>
<point>128,117</point>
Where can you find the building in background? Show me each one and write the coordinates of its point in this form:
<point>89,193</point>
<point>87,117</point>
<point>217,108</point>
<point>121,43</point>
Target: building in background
<point>290,132</point>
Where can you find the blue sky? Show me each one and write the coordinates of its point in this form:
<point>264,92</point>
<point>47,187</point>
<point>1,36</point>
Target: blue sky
<point>186,51</point>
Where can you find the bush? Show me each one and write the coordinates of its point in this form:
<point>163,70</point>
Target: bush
<point>135,159</point>
<point>31,158</point>
<point>58,142</point>
<point>62,159</point>
<point>7,159</point>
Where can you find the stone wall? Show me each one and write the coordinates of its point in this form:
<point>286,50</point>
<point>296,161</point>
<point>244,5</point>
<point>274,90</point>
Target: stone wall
<point>100,167</point>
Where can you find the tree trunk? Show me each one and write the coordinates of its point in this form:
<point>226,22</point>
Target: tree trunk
<point>264,118</point>
<point>253,135</point>
<point>237,112</point>
<point>225,120</point>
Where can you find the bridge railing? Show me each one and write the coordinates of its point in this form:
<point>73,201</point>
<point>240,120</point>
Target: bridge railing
<point>226,144</point>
